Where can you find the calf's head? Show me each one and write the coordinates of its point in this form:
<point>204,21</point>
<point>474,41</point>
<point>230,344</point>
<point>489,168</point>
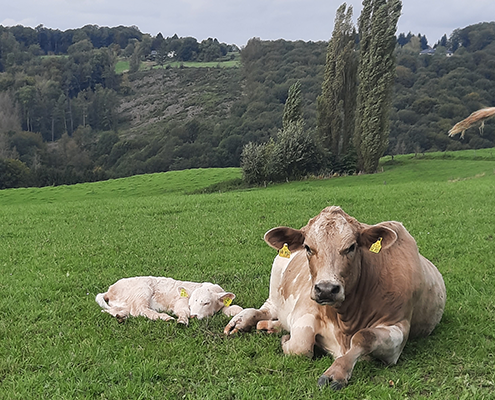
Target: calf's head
<point>207,299</point>
<point>334,243</point>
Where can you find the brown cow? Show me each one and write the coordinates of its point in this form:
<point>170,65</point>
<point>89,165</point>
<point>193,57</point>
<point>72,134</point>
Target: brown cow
<point>331,290</point>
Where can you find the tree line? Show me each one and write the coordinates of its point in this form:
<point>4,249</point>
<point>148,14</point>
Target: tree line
<point>68,117</point>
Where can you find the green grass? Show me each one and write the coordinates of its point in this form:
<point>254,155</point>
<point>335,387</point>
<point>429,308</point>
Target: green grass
<point>121,66</point>
<point>60,246</point>
<point>206,64</point>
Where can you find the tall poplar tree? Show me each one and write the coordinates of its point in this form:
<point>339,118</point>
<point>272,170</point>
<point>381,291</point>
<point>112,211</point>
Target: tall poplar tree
<point>293,106</point>
<point>337,102</point>
<point>377,27</point>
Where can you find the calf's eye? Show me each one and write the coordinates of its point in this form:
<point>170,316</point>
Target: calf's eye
<point>308,250</point>
<point>351,249</point>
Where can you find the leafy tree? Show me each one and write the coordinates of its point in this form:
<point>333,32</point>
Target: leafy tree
<point>293,106</point>
<point>377,26</point>
<point>135,61</point>
<point>9,114</point>
<point>26,97</point>
<point>13,174</point>
<point>337,102</point>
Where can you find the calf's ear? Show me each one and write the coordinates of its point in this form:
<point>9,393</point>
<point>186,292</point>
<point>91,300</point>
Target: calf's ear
<point>379,233</point>
<point>182,291</point>
<point>277,237</point>
<point>226,298</point>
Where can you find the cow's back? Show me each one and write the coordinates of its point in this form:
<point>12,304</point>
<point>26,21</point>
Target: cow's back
<point>414,280</point>
<point>429,300</point>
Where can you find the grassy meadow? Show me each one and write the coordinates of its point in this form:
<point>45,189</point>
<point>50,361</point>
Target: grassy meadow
<point>60,246</point>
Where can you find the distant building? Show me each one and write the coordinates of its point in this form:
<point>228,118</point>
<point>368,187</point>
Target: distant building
<point>428,52</point>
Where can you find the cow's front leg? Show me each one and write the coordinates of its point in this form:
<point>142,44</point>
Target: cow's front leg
<point>247,319</point>
<point>383,342</point>
<point>302,336</point>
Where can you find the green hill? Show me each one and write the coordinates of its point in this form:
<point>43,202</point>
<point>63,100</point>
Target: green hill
<point>60,246</point>
<point>70,117</point>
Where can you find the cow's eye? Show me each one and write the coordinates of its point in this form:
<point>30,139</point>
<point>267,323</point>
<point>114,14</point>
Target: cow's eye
<point>351,248</point>
<point>309,252</point>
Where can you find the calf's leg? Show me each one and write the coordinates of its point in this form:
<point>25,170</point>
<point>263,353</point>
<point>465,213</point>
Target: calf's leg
<point>383,342</point>
<point>140,305</point>
<point>247,319</point>
<point>181,309</point>
<point>270,326</point>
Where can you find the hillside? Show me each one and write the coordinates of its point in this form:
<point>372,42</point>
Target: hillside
<point>159,97</point>
<point>169,114</point>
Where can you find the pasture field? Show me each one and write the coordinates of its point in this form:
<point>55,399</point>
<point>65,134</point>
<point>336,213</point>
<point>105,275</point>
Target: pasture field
<point>123,65</point>
<point>60,246</point>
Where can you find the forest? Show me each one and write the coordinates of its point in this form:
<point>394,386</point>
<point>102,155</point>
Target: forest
<point>68,114</point>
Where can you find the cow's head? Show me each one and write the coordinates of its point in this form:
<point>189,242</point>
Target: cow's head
<point>207,299</point>
<point>334,243</point>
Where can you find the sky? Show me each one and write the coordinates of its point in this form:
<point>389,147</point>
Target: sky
<point>236,21</point>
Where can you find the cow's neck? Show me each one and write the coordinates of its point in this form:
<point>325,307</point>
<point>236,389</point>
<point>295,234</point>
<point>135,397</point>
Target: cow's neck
<point>357,311</point>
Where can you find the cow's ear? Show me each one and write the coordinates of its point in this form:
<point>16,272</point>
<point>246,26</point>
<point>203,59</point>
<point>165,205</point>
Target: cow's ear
<point>277,237</point>
<point>378,236</point>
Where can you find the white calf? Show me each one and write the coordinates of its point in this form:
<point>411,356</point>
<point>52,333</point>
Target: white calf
<point>151,296</point>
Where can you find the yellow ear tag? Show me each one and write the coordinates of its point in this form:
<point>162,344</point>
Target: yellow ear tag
<point>377,246</point>
<point>227,301</point>
<point>183,293</point>
<point>284,251</point>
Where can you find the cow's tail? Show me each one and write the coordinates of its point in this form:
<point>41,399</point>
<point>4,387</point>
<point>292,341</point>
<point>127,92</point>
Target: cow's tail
<point>100,299</point>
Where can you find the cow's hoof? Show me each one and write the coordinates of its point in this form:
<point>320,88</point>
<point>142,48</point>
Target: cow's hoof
<point>284,339</point>
<point>120,319</point>
<point>325,381</point>
<point>183,322</point>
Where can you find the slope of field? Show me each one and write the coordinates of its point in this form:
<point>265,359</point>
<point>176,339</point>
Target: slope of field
<point>60,246</point>
<point>159,96</point>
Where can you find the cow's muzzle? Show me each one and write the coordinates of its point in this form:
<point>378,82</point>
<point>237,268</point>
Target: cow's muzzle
<point>328,293</point>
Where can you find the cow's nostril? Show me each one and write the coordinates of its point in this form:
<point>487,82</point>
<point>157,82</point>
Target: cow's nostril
<point>335,289</point>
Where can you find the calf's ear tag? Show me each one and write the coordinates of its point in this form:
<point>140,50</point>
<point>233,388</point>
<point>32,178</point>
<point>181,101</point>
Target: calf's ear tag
<point>377,246</point>
<point>227,301</point>
<point>183,293</point>
<point>284,251</point>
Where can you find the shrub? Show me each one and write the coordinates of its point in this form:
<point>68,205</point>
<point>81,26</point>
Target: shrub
<point>13,174</point>
<point>296,153</point>
<point>255,162</point>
